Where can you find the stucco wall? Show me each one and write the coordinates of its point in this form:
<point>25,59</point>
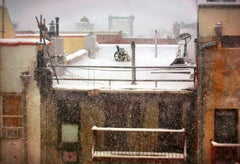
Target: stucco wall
<point>7,31</point>
<point>14,60</point>
<point>228,16</point>
<point>33,123</point>
<point>73,43</point>
<point>221,89</point>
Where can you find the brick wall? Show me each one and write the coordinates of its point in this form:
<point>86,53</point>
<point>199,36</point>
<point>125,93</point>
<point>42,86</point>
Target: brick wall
<point>12,123</point>
<point>118,39</point>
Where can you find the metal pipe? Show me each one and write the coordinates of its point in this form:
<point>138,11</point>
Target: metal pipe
<point>111,80</point>
<point>156,42</point>
<point>133,46</point>
<point>24,95</point>
<point>129,67</point>
<point>57,26</point>
<point>200,95</point>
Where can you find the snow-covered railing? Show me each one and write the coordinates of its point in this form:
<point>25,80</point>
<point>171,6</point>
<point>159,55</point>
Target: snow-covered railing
<point>225,152</point>
<point>144,144</point>
<point>145,74</point>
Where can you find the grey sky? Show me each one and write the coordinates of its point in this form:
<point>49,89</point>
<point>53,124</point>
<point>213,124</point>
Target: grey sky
<point>149,14</point>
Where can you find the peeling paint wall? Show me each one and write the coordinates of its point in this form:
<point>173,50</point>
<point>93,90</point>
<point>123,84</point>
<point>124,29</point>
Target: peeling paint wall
<point>221,71</point>
<point>221,88</point>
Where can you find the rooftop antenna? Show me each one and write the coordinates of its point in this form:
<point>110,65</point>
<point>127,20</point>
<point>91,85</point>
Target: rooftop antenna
<point>182,39</point>
<point>43,35</point>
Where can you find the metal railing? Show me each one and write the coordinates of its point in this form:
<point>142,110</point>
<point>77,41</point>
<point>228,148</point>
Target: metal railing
<point>160,70</point>
<point>225,152</point>
<point>111,143</point>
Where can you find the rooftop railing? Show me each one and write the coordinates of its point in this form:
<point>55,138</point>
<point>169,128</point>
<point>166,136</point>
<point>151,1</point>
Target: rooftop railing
<point>131,75</point>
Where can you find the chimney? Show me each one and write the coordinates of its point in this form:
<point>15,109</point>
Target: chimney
<point>57,26</point>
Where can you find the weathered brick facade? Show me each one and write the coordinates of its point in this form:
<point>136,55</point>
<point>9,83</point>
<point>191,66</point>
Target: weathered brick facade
<point>111,109</point>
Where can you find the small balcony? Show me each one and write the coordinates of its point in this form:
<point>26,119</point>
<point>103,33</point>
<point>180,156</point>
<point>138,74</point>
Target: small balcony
<point>225,153</point>
<point>139,144</point>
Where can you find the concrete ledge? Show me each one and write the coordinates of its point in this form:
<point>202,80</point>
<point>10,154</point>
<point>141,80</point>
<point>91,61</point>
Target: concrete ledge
<point>71,58</point>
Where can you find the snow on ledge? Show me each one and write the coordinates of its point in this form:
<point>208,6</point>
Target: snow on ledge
<point>137,129</point>
<point>75,56</point>
<point>61,35</point>
<point>20,41</point>
<point>72,35</point>
<point>75,87</point>
<point>216,144</point>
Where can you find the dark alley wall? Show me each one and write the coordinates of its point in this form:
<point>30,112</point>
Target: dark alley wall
<point>111,109</point>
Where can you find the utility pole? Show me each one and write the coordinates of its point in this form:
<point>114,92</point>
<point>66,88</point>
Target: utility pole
<point>156,43</point>
<point>133,63</point>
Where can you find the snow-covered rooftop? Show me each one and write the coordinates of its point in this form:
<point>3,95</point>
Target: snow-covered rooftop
<point>153,74</point>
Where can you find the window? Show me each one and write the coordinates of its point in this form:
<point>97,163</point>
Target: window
<point>68,127</point>
<point>12,118</point>
<point>225,126</point>
<point>225,131</point>
<point>230,41</point>
<point>69,133</point>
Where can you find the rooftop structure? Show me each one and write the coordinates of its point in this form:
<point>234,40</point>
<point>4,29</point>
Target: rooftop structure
<point>85,25</point>
<point>124,24</point>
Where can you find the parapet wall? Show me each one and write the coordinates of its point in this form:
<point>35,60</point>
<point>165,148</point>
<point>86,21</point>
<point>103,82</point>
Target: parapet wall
<point>116,38</point>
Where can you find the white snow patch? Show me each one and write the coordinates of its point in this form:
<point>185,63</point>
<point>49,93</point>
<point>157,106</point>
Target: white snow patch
<point>71,57</point>
<point>73,34</point>
<point>225,144</point>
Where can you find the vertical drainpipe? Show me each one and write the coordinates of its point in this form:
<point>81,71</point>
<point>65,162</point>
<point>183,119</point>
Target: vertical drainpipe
<point>24,93</point>
<point>195,53</point>
<point>200,97</point>
<point>3,18</point>
<point>133,46</point>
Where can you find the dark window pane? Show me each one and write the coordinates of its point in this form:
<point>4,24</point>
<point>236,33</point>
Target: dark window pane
<point>226,122</point>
